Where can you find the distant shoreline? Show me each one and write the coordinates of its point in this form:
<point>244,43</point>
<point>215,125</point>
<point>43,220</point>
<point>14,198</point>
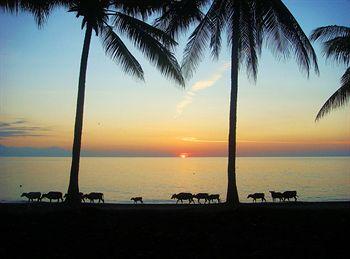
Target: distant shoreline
<point>282,156</point>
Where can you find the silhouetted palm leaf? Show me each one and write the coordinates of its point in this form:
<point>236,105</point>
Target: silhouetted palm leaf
<point>40,9</point>
<point>259,21</point>
<point>336,45</point>
<point>178,16</point>
<point>141,36</point>
<point>116,49</point>
<point>339,98</point>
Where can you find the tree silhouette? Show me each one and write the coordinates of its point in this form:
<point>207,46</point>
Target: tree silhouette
<point>109,20</point>
<point>336,45</point>
<point>248,25</point>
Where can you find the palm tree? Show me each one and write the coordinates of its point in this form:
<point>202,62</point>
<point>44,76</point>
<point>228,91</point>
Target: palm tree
<point>248,24</point>
<point>108,19</point>
<point>336,45</point>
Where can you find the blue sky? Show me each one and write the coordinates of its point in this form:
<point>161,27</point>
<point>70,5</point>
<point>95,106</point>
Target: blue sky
<point>38,84</point>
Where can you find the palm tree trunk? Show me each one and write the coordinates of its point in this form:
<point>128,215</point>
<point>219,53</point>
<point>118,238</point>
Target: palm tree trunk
<point>73,189</point>
<point>232,194</point>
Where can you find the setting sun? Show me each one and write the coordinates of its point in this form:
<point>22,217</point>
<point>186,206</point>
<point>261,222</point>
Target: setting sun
<point>183,155</point>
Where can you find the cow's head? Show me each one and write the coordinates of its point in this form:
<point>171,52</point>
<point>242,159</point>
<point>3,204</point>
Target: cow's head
<point>174,196</point>
<point>250,196</point>
<point>24,194</point>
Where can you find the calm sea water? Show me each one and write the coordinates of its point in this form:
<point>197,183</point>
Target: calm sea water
<point>315,179</point>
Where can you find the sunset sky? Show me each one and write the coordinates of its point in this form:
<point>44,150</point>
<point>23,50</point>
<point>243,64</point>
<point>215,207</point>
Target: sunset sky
<point>38,86</point>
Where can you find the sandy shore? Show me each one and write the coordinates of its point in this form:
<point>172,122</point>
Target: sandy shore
<point>290,230</point>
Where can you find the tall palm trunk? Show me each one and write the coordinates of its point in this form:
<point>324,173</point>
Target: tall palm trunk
<point>232,194</point>
<point>73,188</point>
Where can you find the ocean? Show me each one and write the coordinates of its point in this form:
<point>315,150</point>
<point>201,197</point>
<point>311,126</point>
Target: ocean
<point>156,179</point>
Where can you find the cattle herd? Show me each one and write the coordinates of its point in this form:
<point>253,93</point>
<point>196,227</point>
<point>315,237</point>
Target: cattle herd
<point>58,196</point>
<point>281,196</point>
<point>180,197</point>
<point>186,196</point>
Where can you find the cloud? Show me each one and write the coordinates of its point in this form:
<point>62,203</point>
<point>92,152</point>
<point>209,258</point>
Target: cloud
<point>20,128</point>
<point>198,86</point>
<point>192,139</point>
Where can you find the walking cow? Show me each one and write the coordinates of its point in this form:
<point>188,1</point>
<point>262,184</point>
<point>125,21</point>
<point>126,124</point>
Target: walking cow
<point>183,196</point>
<point>256,196</point>
<point>289,195</point>
<point>92,196</point>
<point>32,196</point>
<point>52,196</point>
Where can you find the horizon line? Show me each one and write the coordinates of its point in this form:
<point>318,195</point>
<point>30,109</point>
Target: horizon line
<point>174,156</point>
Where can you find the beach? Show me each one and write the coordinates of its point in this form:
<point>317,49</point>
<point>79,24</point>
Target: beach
<point>288,230</point>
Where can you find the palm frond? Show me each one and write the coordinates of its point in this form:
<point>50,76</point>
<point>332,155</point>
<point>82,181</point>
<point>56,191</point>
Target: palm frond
<point>329,32</point>
<point>249,43</point>
<point>117,51</point>
<point>151,30</point>
<point>269,30</point>
<point>178,16</point>
<point>140,9</point>
<point>198,41</point>
<point>292,32</point>
<point>339,98</point>
<point>219,18</point>
<point>339,49</point>
<point>41,9</point>
<point>147,42</point>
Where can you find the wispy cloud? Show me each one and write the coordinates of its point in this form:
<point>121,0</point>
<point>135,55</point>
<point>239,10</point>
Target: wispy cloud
<point>20,128</point>
<point>198,86</point>
<point>191,139</point>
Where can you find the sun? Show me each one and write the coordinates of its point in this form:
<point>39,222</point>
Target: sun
<point>183,155</point>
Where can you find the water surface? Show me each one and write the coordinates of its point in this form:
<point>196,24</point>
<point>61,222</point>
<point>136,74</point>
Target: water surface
<point>315,179</point>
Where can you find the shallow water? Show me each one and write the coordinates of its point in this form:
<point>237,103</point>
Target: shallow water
<point>315,179</point>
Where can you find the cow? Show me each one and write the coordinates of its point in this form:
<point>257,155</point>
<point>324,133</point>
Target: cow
<point>136,199</point>
<point>213,197</point>
<point>92,196</point>
<point>256,196</point>
<point>183,196</point>
<point>290,194</point>
<point>276,195</point>
<point>81,196</point>
<point>200,196</point>
<point>52,196</point>
<point>32,196</point>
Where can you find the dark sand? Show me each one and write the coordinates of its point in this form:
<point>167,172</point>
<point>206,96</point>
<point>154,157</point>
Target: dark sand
<point>288,230</point>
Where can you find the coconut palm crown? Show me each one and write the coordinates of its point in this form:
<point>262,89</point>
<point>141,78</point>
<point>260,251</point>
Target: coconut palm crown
<point>109,19</point>
<point>336,45</point>
<point>247,25</point>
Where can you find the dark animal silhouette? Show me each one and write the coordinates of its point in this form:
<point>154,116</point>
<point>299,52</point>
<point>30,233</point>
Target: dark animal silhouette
<point>290,194</point>
<point>92,196</point>
<point>200,196</point>
<point>32,196</point>
<point>213,197</point>
<point>183,196</point>
<point>136,199</point>
<point>81,196</point>
<point>52,196</point>
<point>276,195</point>
<point>256,196</point>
